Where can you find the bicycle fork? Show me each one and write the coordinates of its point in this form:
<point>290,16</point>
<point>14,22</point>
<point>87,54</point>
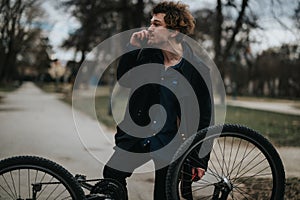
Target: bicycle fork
<point>222,189</point>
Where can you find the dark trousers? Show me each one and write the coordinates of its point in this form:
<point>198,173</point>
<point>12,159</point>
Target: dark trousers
<point>118,158</point>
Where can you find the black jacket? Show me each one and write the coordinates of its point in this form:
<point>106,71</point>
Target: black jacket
<point>147,95</point>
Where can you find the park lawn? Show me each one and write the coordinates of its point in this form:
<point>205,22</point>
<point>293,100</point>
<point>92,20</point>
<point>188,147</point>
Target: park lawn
<point>8,87</point>
<point>101,108</point>
<point>281,129</point>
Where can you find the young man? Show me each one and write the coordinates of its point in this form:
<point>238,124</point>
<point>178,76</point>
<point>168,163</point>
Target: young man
<point>164,37</point>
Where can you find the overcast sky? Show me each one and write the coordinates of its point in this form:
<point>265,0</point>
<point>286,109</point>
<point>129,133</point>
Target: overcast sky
<point>60,24</point>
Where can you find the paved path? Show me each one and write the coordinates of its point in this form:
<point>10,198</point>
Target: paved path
<point>285,107</point>
<point>37,123</point>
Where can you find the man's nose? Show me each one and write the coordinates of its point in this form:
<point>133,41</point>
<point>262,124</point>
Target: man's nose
<point>150,28</point>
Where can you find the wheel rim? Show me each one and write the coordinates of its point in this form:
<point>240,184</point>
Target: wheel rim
<point>32,182</point>
<point>237,169</point>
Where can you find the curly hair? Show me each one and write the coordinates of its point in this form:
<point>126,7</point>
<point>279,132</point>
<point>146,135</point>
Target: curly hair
<point>177,17</point>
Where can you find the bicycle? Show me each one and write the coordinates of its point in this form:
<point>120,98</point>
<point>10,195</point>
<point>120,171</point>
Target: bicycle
<point>242,165</point>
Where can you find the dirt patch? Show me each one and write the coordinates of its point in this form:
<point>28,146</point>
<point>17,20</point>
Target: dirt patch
<point>292,189</point>
<point>9,109</point>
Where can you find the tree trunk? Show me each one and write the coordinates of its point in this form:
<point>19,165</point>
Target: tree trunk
<point>218,37</point>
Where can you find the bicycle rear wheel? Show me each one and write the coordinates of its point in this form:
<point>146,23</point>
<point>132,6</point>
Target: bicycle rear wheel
<point>30,177</point>
<point>242,165</point>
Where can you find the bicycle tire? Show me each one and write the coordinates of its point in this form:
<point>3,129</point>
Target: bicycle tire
<point>268,183</point>
<point>31,177</point>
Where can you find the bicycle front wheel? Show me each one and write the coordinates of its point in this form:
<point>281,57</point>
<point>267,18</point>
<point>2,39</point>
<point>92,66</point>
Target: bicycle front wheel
<point>242,164</point>
<point>30,177</point>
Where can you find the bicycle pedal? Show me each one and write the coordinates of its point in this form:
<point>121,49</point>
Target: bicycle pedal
<point>80,177</point>
<point>95,197</point>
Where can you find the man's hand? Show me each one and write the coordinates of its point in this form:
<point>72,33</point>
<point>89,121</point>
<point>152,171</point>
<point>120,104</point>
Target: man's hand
<point>138,39</point>
<point>197,173</point>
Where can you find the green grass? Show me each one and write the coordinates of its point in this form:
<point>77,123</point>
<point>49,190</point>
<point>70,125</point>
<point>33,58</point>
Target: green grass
<point>281,129</point>
<point>101,108</point>
<point>52,87</point>
<point>47,87</point>
<point>8,87</point>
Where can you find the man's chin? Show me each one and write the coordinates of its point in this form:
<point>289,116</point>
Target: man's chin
<point>151,43</point>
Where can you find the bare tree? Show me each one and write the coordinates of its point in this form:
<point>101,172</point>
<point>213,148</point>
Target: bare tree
<point>296,16</point>
<point>277,72</point>
<point>17,31</point>
<point>101,19</point>
<point>226,31</point>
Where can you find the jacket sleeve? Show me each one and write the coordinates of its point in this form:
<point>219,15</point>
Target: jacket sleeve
<point>203,90</point>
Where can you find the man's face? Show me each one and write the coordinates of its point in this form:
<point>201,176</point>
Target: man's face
<point>158,33</point>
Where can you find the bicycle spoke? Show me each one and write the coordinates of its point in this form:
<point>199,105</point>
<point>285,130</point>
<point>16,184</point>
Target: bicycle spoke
<point>251,169</point>
<point>243,193</point>
<point>36,174</point>
<point>197,161</point>
<point>218,161</point>
<point>213,171</point>
<point>224,160</point>
<point>253,176</point>
<point>235,158</point>
<point>13,194</point>
<point>13,184</point>
<point>9,194</point>
<point>18,184</point>
<point>195,190</point>
<point>30,177</point>
<point>231,147</point>
<point>241,165</point>
<point>55,188</point>
<point>44,188</point>
<point>61,194</point>
<point>222,155</point>
<point>199,183</point>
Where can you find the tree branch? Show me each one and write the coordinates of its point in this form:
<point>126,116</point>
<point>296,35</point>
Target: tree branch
<point>239,22</point>
<point>278,20</point>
